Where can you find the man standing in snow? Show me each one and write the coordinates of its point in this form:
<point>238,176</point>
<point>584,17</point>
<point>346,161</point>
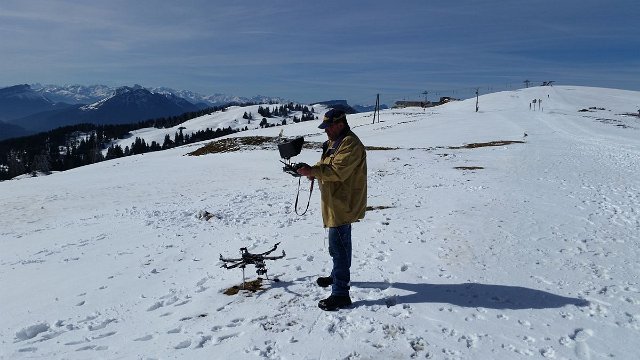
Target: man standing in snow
<point>342,176</point>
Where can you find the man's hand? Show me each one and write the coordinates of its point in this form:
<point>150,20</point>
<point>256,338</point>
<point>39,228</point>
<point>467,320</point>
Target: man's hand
<point>306,171</point>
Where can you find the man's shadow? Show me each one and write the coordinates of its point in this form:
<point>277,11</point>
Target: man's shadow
<point>469,295</point>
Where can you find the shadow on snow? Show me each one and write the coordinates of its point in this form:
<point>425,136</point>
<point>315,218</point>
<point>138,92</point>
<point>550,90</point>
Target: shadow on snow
<point>469,295</point>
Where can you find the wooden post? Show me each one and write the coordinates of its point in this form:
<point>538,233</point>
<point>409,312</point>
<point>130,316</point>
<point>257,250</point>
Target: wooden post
<point>377,109</point>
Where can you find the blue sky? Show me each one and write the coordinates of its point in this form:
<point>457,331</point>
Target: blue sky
<point>319,50</point>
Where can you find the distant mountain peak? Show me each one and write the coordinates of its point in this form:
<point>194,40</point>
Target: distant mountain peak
<point>21,100</point>
<point>18,88</point>
<point>22,91</point>
<point>73,94</point>
<point>134,90</point>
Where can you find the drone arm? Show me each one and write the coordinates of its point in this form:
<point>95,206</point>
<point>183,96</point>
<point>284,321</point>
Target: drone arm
<point>270,251</point>
<point>240,264</point>
<point>229,260</point>
<point>275,257</point>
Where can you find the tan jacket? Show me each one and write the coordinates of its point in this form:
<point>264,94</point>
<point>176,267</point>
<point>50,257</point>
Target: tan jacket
<point>342,177</point>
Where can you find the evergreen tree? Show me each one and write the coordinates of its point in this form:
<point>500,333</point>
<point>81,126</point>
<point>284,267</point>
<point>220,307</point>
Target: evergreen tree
<point>155,146</point>
<point>167,144</point>
<point>16,164</point>
<point>41,162</point>
<point>114,152</point>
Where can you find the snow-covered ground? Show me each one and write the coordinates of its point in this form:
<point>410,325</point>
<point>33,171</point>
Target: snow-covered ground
<point>534,255</point>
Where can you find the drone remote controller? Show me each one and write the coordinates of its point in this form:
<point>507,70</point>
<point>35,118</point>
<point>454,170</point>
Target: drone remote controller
<point>292,168</point>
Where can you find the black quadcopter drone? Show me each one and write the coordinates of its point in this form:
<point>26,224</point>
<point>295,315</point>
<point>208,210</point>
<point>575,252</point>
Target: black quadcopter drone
<point>247,258</point>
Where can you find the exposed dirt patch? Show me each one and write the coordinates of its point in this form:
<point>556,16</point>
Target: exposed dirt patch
<point>260,143</point>
<point>380,148</point>
<point>270,143</point>
<point>381,207</point>
<point>632,114</point>
<point>487,144</point>
<point>468,167</point>
<point>245,143</point>
<point>614,122</point>
<point>592,109</point>
<point>251,286</point>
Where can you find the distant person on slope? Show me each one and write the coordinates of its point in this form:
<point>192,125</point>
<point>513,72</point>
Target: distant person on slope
<point>342,176</point>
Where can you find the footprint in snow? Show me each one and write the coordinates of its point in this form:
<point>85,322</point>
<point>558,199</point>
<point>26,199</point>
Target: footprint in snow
<point>101,325</point>
<point>235,322</point>
<point>174,331</point>
<point>580,336</point>
<point>102,336</point>
<point>203,341</point>
<point>183,345</point>
<point>220,339</point>
<point>32,331</point>
<point>144,338</point>
<point>156,306</point>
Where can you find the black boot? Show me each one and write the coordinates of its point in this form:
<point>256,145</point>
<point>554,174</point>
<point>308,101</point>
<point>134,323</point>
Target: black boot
<point>334,302</point>
<point>324,281</point>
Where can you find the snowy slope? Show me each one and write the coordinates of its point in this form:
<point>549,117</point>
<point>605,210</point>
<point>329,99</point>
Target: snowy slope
<point>532,256</point>
<point>231,117</point>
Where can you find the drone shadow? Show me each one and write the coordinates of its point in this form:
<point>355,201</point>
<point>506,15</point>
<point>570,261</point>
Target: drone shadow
<point>469,295</point>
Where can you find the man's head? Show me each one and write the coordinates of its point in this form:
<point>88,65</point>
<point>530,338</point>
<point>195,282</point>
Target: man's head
<point>334,123</point>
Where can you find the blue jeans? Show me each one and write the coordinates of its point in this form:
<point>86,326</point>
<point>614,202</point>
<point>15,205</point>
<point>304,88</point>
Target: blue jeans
<point>340,251</point>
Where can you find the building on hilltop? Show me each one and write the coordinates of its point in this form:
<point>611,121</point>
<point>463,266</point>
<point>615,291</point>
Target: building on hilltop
<point>422,104</point>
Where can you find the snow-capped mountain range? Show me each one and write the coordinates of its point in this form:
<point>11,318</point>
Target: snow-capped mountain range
<point>34,108</point>
<point>217,99</point>
<point>73,94</point>
<point>82,94</point>
<point>124,105</point>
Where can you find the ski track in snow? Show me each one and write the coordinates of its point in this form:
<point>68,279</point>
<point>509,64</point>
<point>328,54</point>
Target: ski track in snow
<point>436,271</point>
